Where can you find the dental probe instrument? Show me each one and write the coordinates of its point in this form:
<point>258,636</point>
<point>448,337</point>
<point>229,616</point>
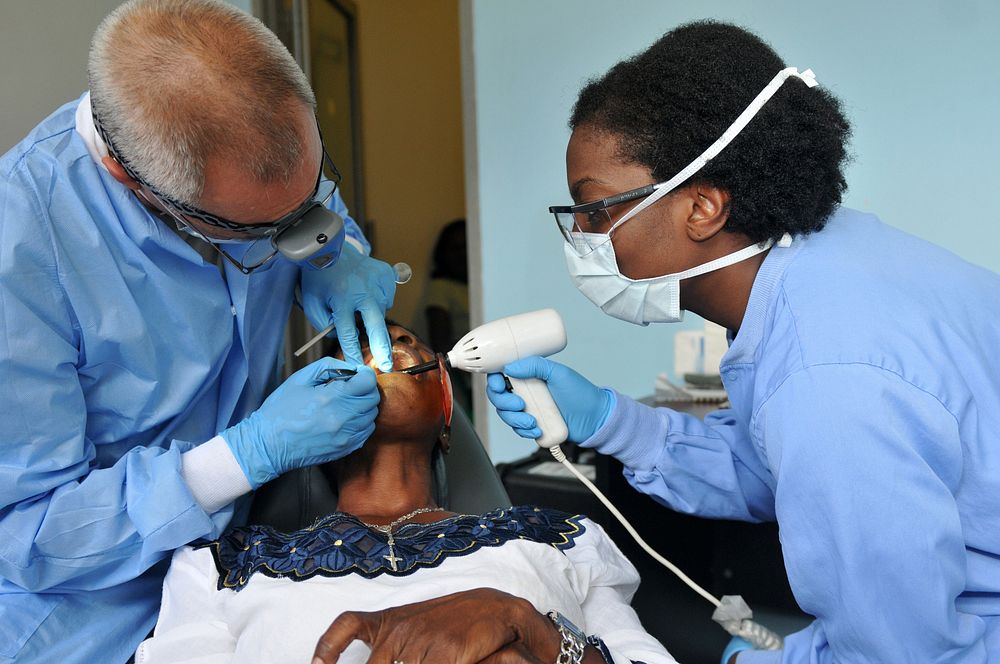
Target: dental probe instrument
<point>403,274</point>
<point>339,374</point>
<point>489,347</point>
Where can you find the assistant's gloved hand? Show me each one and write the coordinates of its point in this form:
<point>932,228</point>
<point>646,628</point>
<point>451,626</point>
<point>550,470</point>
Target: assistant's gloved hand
<point>583,405</point>
<point>356,282</point>
<point>304,423</point>
<point>736,645</point>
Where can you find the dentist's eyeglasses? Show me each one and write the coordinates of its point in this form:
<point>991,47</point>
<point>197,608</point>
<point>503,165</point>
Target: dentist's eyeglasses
<point>261,239</point>
<point>260,248</point>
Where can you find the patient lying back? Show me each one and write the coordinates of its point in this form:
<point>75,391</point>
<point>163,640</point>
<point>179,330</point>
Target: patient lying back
<point>260,595</point>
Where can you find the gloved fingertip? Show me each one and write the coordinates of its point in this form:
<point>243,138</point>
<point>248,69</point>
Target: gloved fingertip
<point>365,372</point>
<point>496,382</point>
<point>506,403</point>
<point>736,645</point>
<point>509,401</point>
<point>518,419</point>
<point>366,434</point>
<point>314,371</point>
<point>528,367</point>
<point>354,358</point>
<point>362,383</point>
<point>329,362</point>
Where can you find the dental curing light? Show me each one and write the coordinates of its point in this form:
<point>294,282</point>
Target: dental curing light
<point>487,348</point>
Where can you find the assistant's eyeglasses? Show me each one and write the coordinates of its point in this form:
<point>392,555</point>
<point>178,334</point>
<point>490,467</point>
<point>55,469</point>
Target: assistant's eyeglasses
<point>589,225</point>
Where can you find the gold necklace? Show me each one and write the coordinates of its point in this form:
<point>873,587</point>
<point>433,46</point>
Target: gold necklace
<point>387,529</point>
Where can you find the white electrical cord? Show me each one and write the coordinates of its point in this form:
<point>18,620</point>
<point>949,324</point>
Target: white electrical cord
<point>731,612</point>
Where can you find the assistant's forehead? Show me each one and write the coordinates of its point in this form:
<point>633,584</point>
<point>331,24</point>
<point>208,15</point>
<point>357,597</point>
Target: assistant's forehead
<point>596,167</point>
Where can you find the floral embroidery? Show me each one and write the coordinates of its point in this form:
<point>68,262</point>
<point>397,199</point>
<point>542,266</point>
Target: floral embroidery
<point>339,544</point>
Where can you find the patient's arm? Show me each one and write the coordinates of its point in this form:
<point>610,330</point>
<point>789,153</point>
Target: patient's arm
<point>470,625</point>
<point>191,627</point>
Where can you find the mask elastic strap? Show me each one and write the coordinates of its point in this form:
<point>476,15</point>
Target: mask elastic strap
<point>727,136</point>
<point>733,258</point>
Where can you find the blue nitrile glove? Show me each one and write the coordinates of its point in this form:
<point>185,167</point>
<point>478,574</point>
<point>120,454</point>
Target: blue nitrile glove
<point>356,282</point>
<point>303,422</point>
<point>583,405</point>
<point>736,645</point>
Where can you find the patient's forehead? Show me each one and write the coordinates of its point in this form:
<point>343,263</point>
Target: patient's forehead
<point>394,330</point>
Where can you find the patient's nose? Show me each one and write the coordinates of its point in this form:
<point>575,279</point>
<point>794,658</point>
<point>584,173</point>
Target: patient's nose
<point>404,338</point>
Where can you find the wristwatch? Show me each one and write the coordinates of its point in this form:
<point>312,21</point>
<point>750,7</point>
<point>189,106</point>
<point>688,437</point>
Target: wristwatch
<point>573,640</point>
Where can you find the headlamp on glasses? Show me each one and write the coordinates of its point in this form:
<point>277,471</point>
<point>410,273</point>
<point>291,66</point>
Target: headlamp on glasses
<point>311,235</point>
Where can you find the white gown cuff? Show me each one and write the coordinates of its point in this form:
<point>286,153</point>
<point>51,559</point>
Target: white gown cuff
<point>213,475</point>
<point>356,244</point>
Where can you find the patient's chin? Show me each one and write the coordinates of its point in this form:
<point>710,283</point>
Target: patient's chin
<point>408,407</point>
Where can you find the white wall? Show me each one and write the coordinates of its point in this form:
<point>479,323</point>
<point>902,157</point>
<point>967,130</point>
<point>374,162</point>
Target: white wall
<point>43,58</point>
<point>43,51</point>
<point>919,80</point>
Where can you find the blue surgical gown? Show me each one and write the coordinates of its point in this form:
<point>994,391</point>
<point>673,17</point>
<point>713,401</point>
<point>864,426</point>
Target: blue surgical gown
<point>120,348</point>
<point>865,419</point>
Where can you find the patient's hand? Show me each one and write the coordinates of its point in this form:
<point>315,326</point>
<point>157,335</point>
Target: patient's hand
<point>513,654</point>
<point>482,625</point>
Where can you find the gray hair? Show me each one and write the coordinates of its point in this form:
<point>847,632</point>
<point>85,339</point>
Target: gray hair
<point>176,82</point>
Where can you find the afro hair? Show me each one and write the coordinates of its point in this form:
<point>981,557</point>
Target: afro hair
<point>666,105</point>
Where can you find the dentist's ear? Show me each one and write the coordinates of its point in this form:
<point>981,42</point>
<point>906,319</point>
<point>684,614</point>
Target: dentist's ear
<point>709,212</point>
<point>118,173</point>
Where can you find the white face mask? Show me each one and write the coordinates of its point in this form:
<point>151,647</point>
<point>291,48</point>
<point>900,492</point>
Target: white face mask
<point>642,301</point>
<point>591,259</point>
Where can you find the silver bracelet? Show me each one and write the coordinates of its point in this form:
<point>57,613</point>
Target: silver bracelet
<point>573,640</point>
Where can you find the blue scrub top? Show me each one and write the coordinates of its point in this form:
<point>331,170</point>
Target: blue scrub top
<point>865,419</point>
<point>120,348</point>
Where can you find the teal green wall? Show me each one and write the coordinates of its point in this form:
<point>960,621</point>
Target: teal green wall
<point>919,80</point>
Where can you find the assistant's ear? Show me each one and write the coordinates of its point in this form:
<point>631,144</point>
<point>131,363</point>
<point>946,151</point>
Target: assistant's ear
<point>118,173</point>
<point>709,212</point>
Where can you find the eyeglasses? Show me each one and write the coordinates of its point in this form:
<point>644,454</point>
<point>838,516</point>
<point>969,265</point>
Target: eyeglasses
<point>261,239</point>
<point>258,251</point>
<point>589,225</point>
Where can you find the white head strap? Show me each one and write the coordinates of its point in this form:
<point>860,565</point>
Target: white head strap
<point>727,136</point>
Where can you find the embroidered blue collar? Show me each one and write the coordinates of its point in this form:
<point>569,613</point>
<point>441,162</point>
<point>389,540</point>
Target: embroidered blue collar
<point>339,544</point>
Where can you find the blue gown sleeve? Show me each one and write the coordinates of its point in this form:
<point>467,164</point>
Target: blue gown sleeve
<point>65,522</point>
<point>866,466</point>
<point>708,468</point>
<point>351,228</point>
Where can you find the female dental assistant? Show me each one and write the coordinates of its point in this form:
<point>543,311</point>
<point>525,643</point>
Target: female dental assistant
<point>862,371</point>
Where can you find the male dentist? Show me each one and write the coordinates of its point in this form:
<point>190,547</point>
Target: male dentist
<point>143,300</point>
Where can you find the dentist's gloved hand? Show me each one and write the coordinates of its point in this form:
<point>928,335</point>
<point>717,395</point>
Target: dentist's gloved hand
<point>356,282</point>
<point>304,423</point>
<point>736,646</point>
<point>583,405</point>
